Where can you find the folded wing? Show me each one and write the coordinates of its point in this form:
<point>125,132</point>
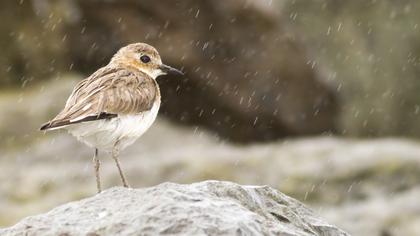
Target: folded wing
<point>107,93</point>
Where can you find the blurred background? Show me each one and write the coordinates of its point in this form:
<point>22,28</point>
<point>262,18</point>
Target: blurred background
<point>317,98</point>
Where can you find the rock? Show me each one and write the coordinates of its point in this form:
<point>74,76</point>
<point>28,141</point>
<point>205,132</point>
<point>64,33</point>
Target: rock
<point>380,215</point>
<point>366,187</point>
<point>205,208</point>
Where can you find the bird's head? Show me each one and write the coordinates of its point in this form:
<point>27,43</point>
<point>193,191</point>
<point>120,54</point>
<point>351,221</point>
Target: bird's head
<point>144,58</point>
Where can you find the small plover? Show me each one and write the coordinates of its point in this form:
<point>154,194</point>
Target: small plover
<point>114,106</point>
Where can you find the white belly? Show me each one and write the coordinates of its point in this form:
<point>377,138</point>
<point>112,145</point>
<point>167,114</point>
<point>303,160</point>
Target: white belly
<point>125,129</point>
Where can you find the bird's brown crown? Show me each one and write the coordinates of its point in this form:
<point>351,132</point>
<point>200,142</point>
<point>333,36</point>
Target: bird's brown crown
<point>140,56</point>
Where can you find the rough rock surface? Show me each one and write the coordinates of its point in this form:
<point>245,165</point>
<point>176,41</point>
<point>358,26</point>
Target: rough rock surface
<point>206,208</point>
<point>367,187</point>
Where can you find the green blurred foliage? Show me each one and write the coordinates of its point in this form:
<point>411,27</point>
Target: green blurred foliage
<point>370,51</point>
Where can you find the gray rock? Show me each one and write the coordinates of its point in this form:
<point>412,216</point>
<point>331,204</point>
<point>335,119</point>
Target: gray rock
<point>205,208</point>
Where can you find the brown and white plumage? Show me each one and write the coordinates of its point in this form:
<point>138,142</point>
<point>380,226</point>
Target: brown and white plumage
<point>109,92</point>
<point>114,106</point>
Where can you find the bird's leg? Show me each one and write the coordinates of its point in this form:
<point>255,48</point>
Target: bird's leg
<point>115,155</point>
<point>96,164</point>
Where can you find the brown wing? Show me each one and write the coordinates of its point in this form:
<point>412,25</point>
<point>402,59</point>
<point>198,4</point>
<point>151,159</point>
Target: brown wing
<point>109,92</point>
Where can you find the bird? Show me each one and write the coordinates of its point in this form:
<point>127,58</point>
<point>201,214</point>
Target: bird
<point>114,106</point>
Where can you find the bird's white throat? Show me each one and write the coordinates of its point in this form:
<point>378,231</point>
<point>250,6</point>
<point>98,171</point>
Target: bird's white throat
<point>154,73</point>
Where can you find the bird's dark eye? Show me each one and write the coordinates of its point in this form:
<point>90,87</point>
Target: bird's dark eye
<point>145,59</point>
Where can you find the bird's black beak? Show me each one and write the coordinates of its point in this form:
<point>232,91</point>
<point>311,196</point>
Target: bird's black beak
<point>170,70</point>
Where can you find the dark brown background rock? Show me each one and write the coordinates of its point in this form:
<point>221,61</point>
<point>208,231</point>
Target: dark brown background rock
<point>247,79</point>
